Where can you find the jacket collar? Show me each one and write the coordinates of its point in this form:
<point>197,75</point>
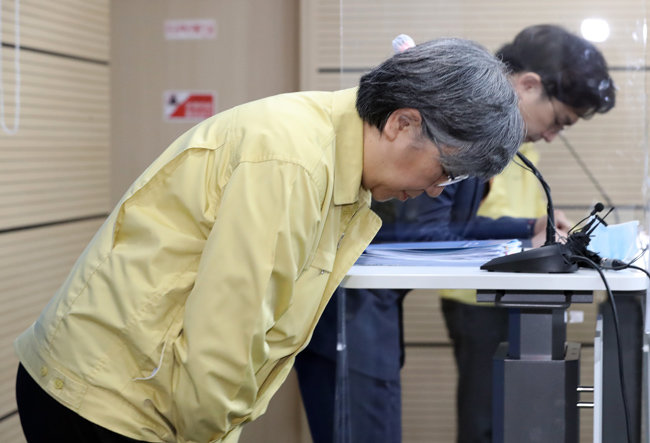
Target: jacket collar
<point>349,149</point>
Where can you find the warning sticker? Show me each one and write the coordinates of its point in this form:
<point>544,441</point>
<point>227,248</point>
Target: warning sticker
<point>186,106</point>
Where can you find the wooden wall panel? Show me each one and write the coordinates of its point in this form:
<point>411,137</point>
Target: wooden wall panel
<point>254,54</point>
<point>55,169</point>
<point>423,321</point>
<point>365,27</point>
<point>428,395</point>
<point>57,166</point>
<point>73,27</point>
<point>10,430</point>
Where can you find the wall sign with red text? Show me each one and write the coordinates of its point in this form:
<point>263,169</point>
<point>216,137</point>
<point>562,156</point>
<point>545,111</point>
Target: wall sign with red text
<point>197,29</point>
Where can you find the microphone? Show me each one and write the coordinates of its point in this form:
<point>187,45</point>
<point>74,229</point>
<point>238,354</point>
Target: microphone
<point>551,257</point>
<point>597,208</point>
<point>578,241</point>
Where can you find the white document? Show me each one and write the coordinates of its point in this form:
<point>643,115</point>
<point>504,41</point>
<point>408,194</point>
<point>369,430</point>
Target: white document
<point>448,253</point>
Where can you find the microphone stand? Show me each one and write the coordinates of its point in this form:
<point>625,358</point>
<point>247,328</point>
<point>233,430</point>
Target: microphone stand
<point>552,257</point>
<point>550,213</point>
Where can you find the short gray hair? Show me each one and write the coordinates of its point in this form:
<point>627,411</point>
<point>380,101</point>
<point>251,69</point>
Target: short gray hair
<point>468,106</point>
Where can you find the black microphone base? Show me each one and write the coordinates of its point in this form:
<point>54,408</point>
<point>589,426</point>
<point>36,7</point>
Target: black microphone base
<point>553,258</point>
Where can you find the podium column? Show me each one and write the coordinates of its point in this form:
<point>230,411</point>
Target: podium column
<point>536,373</point>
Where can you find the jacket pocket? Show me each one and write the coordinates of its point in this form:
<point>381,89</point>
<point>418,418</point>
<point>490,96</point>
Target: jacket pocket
<point>324,260</point>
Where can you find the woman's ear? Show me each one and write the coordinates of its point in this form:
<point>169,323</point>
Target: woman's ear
<point>400,120</point>
<point>527,82</point>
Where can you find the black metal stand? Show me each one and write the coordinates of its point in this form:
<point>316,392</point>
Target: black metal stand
<point>630,316</point>
<point>536,374</point>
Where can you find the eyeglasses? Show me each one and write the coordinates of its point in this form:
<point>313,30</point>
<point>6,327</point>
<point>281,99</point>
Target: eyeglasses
<point>563,120</point>
<point>558,125</point>
<point>451,179</point>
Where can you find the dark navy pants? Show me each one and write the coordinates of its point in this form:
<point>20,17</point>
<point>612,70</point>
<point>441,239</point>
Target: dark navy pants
<point>376,412</point>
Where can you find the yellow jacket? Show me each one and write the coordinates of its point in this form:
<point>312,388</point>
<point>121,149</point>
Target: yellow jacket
<point>515,192</point>
<point>184,314</point>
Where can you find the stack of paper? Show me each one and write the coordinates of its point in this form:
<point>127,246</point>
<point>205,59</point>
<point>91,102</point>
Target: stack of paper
<point>448,253</point>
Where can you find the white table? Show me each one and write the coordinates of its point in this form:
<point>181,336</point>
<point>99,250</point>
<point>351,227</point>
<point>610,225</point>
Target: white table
<point>471,277</point>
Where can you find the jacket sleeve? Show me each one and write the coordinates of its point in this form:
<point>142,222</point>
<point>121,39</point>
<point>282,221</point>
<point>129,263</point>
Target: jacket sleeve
<point>265,228</point>
<point>432,219</point>
<point>502,227</point>
<point>452,216</point>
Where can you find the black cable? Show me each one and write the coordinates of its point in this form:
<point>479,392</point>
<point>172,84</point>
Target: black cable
<point>638,268</point>
<point>577,224</point>
<point>594,213</point>
<point>610,295</point>
<point>618,265</point>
